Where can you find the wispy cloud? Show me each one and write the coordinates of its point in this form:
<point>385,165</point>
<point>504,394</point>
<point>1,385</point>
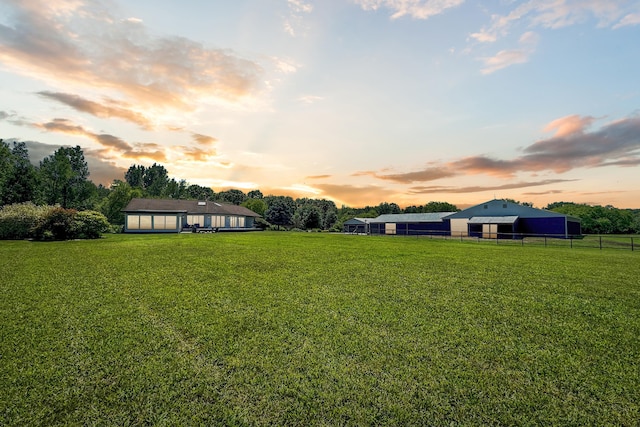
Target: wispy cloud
<point>418,9</point>
<point>572,146</point>
<point>109,109</point>
<point>82,43</point>
<point>112,145</point>
<point>294,23</point>
<point>560,13</point>
<point>506,58</point>
<point>479,189</point>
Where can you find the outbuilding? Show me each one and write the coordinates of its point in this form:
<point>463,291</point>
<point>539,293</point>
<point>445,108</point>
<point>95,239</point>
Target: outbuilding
<point>173,216</point>
<point>507,220</point>
<point>356,225</point>
<point>433,223</point>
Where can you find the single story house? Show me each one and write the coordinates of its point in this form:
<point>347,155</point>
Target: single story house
<point>433,223</point>
<point>503,219</point>
<point>173,216</point>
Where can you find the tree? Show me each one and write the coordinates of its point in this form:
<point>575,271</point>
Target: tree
<point>388,208</point>
<point>198,192</point>
<point>255,194</point>
<point>256,205</point>
<point>64,177</point>
<point>439,207</point>
<point>233,196</point>
<point>280,210</point>
<point>120,195</point>
<point>156,179</point>
<point>175,189</point>
<point>21,181</point>
<point>135,176</point>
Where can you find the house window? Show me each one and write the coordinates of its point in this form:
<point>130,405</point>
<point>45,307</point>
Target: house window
<point>164,222</point>
<point>139,222</point>
<point>486,206</point>
<point>195,220</point>
<point>217,221</point>
<point>504,206</point>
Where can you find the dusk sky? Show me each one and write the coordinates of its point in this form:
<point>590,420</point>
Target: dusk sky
<point>357,101</point>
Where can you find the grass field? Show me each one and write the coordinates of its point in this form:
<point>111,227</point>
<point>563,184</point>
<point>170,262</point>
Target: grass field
<point>316,329</point>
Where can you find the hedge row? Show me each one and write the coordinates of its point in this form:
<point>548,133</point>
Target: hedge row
<point>26,220</point>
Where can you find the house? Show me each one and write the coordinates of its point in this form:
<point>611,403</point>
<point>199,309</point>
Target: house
<point>173,216</point>
<point>503,219</point>
<point>433,223</point>
<point>356,225</point>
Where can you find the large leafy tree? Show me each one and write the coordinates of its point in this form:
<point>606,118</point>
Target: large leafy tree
<point>198,192</point>
<point>153,181</point>
<point>256,205</point>
<point>64,178</point>
<point>156,179</point>
<point>280,210</point>
<point>120,195</point>
<point>232,196</point>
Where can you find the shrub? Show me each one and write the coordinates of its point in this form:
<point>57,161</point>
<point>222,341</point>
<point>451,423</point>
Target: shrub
<point>90,225</point>
<point>19,221</point>
<point>58,224</point>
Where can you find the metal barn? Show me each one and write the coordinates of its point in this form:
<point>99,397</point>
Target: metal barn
<point>506,220</point>
<point>173,216</point>
<point>434,223</point>
<point>356,225</point>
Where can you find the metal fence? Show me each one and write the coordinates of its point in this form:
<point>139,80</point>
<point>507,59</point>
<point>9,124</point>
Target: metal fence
<point>607,241</point>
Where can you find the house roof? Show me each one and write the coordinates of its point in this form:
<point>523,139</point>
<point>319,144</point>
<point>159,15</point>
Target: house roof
<point>412,217</point>
<point>493,219</point>
<point>503,208</point>
<point>191,207</point>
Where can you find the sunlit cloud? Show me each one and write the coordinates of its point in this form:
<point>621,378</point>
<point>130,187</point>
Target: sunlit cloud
<point>81,43</point>
<point>318,176</point>
<point>478,189</point>
<point>417,9</point>
<point>100,110</point>
<point>203,139</point>
<point>112,145</point>
<point>572,146</point>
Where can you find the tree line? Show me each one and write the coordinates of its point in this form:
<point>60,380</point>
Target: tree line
<point>62,179</point>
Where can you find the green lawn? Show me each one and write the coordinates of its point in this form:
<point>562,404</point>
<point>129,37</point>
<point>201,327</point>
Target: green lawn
<point>316,329</point>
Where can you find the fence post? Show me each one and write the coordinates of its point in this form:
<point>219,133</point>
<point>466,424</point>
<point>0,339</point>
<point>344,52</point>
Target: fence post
<point>571,241</point>
<point>600,242</point>
<point>632,244</point>
<point>545,240</point>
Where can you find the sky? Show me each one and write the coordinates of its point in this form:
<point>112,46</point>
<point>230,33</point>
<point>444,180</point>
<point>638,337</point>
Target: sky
<point>356,101</point>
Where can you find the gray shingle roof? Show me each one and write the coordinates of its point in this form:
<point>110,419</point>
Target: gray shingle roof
<point>193,207</point>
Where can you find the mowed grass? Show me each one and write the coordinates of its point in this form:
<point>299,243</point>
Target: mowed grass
<point>316,329</point>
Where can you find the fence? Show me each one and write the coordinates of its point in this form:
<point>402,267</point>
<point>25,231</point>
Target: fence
<point>623,242</point>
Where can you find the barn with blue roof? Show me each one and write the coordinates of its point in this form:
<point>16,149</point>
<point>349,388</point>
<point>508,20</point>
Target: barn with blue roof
<point>504,219</point>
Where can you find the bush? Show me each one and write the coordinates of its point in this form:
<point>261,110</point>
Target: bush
<point>90,225</point>
<point>58,224</point>
<point>19,221</point>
